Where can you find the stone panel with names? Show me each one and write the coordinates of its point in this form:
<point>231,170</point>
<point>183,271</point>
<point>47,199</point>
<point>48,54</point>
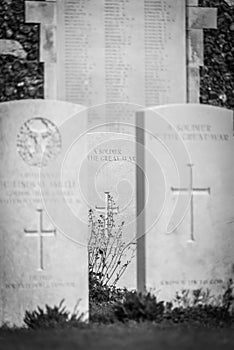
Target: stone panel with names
<point>121,51</point>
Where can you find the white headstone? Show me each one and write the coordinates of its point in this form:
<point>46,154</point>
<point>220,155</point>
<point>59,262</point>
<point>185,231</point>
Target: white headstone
<point>186,225</point>
<point>43,256</point>
<point>111,168</point>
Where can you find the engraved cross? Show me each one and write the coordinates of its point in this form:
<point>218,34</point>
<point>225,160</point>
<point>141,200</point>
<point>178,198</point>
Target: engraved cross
<point>40,232</point>
<point>108,209</point>
<point>193,191</point>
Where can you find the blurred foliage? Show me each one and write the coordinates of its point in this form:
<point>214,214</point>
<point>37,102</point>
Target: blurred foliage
<point>189,307</point>
<point>139,307</point>
<point>53,317</point>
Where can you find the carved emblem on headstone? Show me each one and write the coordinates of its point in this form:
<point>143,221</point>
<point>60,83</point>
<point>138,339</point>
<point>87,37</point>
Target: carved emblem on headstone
<point>38,141</point>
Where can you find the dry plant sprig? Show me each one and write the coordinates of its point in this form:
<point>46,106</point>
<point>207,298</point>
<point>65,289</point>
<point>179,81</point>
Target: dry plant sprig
<point>109,255</point>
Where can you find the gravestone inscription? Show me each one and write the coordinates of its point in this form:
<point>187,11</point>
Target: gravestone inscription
<point>43,256</point>
<point>185,226</point>
<point>111,170</point>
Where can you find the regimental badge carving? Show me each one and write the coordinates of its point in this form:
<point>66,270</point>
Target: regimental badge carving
<point>38,141</point>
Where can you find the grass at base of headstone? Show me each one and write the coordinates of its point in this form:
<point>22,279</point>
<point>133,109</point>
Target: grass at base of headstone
<point>196,306</point>
<point>119,336</point>
<point>53,317</point>
<point>190,307</point>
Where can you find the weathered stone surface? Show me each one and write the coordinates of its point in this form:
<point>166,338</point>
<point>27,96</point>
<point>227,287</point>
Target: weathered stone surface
<point>194,85</point>
<point>200,18</point>
<point>196,48</point>
<point>192,3</point>
<point>40,11</point>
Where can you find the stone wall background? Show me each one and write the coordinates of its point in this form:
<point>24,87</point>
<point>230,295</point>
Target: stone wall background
<point>217,74</point>
<point>23,77</point>
<point>20,78</point>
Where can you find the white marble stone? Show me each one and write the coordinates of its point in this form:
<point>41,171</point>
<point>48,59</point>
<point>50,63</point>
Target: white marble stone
<point>43,245</point>
<point>187,225</point>
<point>111,168</point>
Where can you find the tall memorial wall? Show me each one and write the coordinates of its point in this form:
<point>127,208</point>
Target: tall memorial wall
<point>121,51</point>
